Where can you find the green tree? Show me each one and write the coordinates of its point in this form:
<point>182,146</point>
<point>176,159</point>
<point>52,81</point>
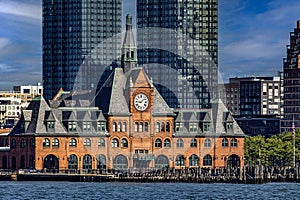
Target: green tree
<point>276,150</point>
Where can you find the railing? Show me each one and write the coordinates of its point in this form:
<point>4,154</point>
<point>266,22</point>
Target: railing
<point>144,156</point>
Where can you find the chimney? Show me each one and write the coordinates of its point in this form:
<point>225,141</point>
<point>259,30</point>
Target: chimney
<point>298,24</point>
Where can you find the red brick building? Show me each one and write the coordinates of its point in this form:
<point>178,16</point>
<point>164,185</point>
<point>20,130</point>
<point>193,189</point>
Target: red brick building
<point>124,125</point>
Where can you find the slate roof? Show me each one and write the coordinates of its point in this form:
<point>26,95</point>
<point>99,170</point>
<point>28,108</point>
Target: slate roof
<point>34,119</point>
<point>217,117</point>
<point>113,98</point>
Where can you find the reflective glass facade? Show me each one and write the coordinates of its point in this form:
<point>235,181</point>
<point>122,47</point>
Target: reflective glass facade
<point>72,31</point>
<point>178,46</point>
<point>291,71</point>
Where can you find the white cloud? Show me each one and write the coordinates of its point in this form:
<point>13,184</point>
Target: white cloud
<point>4,42</point>
<point>32,11</point>
<point>254,43</point>
<point>6,68</point>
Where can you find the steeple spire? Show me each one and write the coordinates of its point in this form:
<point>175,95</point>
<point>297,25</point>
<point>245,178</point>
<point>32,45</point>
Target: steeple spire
<point>129,52</point>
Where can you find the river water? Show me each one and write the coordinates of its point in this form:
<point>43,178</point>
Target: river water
<point>120,191</point>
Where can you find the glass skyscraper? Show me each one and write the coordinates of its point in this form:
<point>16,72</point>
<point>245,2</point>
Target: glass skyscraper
<point>73,33</point>
<point>178,47</point>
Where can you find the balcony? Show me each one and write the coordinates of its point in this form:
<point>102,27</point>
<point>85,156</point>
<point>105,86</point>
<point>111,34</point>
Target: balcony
<point>143,156</point>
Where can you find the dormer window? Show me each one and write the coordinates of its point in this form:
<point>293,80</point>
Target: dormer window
<point>229,126</point>
<point>50,126</point>
<point>206,127</point>
<point>179,127</point>
<point>72,126</point>
<point>86,126</point>
<point>101,126</point>
<point>193,127</point>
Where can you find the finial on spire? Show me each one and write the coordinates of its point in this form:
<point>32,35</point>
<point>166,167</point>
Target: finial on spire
<point>128,22</point>
<point>129,52</point>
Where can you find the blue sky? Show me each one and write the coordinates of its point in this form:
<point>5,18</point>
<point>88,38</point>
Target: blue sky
<point>253,35</point>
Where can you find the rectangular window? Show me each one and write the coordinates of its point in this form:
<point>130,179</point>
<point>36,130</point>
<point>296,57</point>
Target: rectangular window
<point>86,126</point>
<point>72,126</point>
<point>206,127</point>
<point>229,126</point>
<point>101,126</point>
<point>193,127</point>
<point>179,126</point>
<point>50,125</point>
<point>136,126</point>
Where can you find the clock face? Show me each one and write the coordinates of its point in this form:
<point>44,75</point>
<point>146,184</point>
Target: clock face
<point>141,102</point>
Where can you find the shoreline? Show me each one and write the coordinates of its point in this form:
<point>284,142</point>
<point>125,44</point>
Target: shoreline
<point>139,179</point>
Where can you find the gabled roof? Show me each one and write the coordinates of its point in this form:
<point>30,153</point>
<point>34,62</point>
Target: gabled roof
<point>228,117</point>
<point>160,106</point>
<point>27,114</point>
<point>83,116</point>
<point>49,116</point>
<point>111,99</point>
<point>69,116</point>
<point>219,110</point>
<point>179,117</point>
<point>205,117</point>
<point>38,107</point>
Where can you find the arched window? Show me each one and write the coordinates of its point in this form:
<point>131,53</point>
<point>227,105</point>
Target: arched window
<point>162,128</point>
<point>119,127</point>
<point>141,127</point>
<point>146,127</point>
<point>161,161</point>
<point>23,143</point>
<point>168,126</point>
<point>72,162</point>
<point>124,143</point>
<point>14,143</point>
<point>158,143</point>
<point>87,142</point>
<point>115,143</point>
<point>136,126</point>
<point>233,142</point>
<point>225,142</point>
<point>101,161</point>
<point>114,127</point>
<point>207,142</point>
<point>101,142</point>
<point>194,160</point>
<point>207,160</point>
<point>120,162</point>
<point>73,142</point>
<point>87,162</point>
<point>167,143</point>
<point>32,142</point>
<point>179,143</point>
<point>124,129</point>
<point>4,162</point>
<point>193,142</point>
<point>180,160</point>
<point>157,127</point>
<point>55,142</point>
<point>46,142</point>
<point>22,162</point>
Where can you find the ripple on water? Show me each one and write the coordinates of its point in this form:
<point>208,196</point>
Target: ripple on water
<point>136,191</point>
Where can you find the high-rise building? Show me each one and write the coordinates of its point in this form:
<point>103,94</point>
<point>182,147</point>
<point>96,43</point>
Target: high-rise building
<point>72,30</point>
<point>291,74</point>
<point>254,96</point>
<point>178,47</point>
